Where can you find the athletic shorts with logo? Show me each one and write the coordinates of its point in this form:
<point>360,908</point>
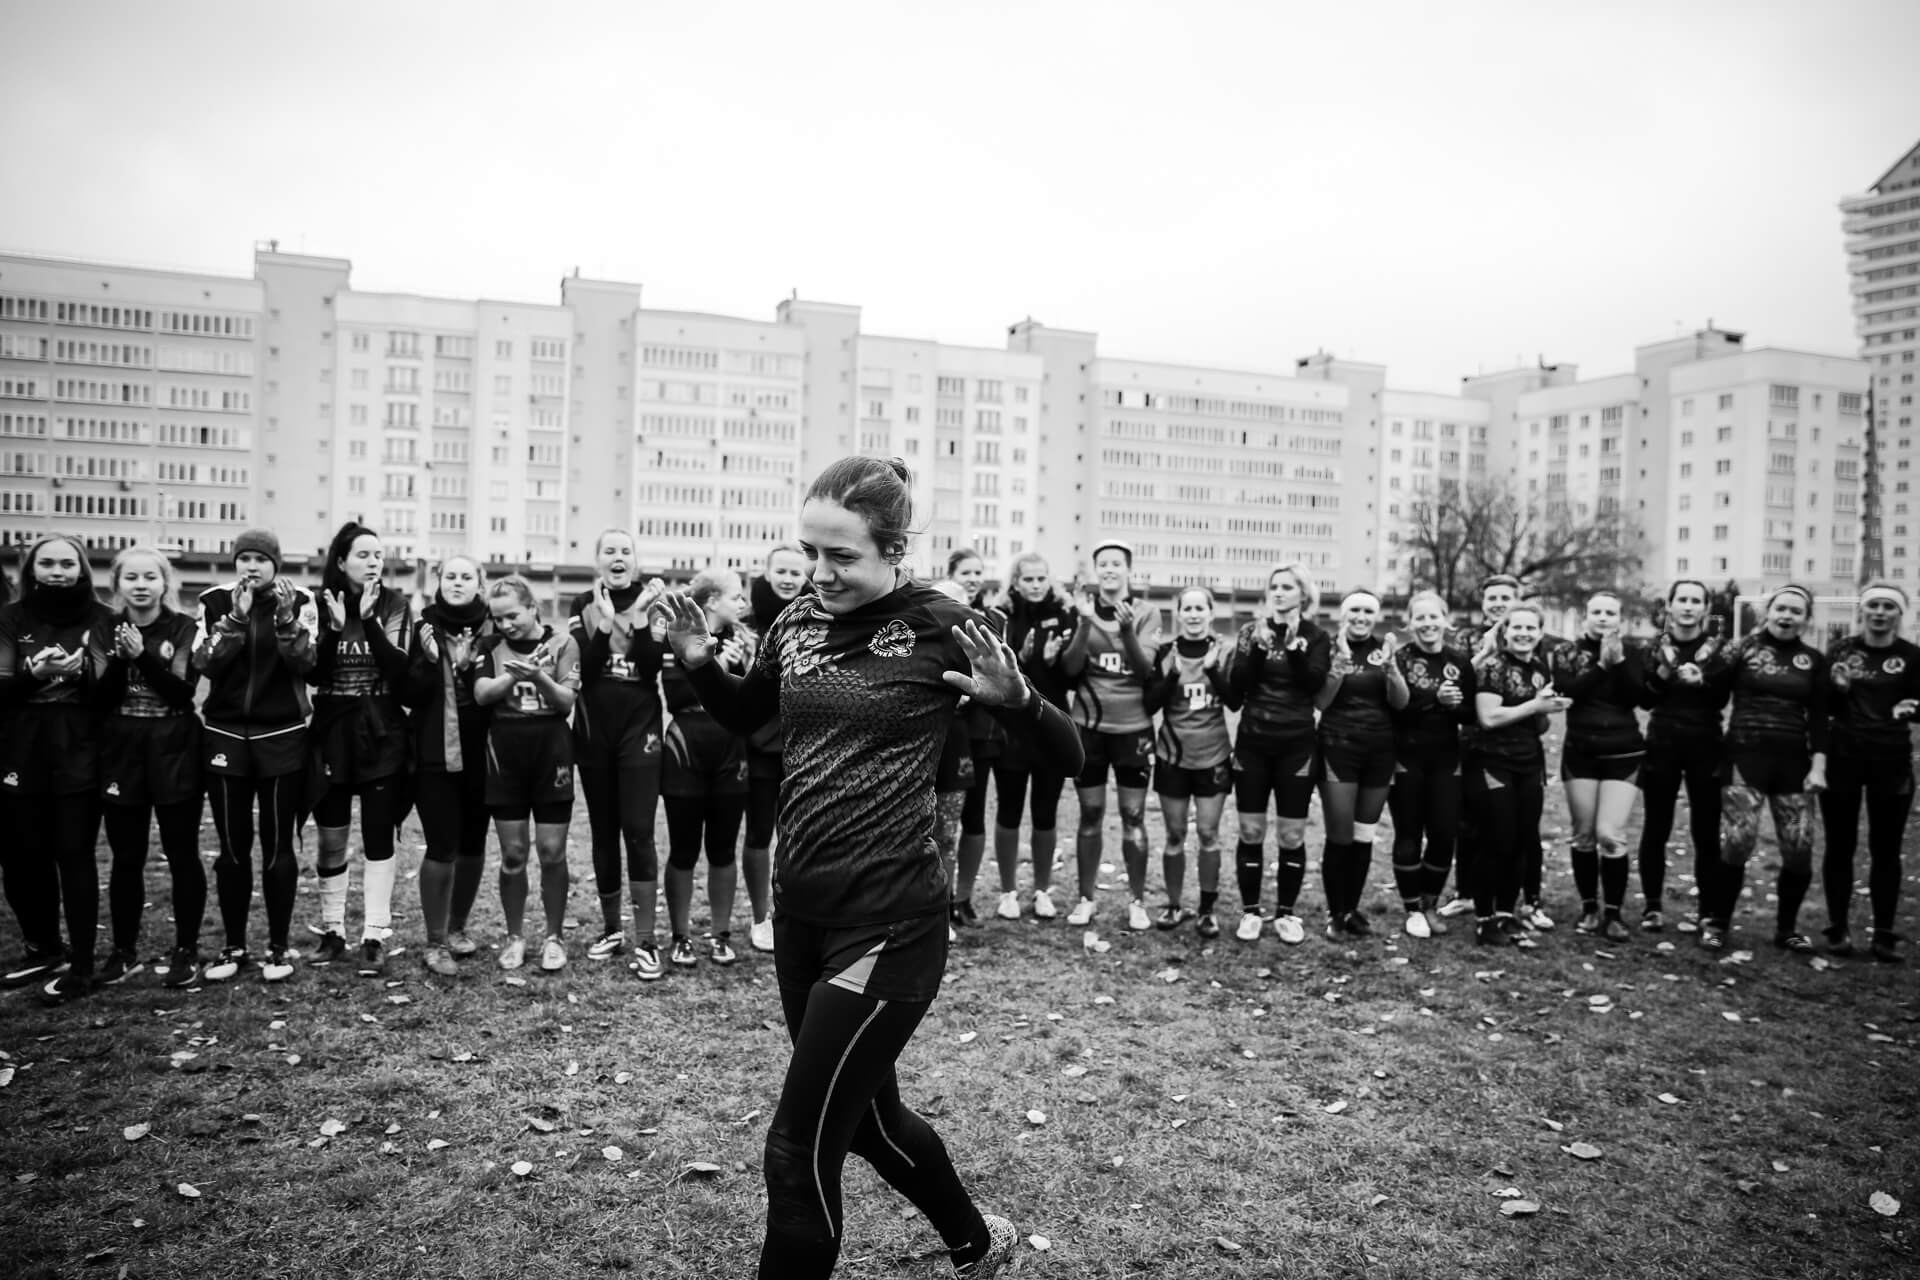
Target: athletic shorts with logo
<point>150,759</point>
<point>529,762</point>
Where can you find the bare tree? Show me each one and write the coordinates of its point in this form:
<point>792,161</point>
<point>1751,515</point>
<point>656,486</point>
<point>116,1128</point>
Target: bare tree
<point>1463,533</point>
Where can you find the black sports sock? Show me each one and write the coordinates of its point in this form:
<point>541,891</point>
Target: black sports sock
<point>1614,874</point>
<point>1334,877</point>
<point>1208,898</point>
<point>1287,880</point>
<point>1586,878</point>
<point>1411,885</point>
<point>1248,867</point>
<point>1359,863</point>
<point>1793,892</point>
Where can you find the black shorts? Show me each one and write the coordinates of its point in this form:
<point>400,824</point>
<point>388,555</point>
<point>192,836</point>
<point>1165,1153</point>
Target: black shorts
<point>1357,760</point>
<point>771,765</point>
<point>1575,763</point>
<point>274,753</point>
<point>956,771</point>
<point>609,740</point>
<point>150,759</point>
<point>1176,783</point>
<point>529,762</point>
<point>1772,769</point>
<point>1129,755</point>
<point>1281,771</point>
<point>50,750</point>
<point>702,759</point>
<point>895,960</point>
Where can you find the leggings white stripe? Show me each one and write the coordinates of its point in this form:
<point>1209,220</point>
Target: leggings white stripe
<point>887,1137</point>
<point>826,1105</point>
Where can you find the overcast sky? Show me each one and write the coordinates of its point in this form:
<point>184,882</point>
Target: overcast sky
<point>1439,188</point>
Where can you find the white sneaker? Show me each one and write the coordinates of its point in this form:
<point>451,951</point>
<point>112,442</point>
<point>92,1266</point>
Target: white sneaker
<point>513,952</point>
<point>1416,925</point>
<point>1043,908</point>
<point>760,937</point>
<point>1250,926</point>
<point>228,966</point>
<point>608,945</point>
<point>1137,919</point>
<point>1082,912</point>
<point>1456,907</point>
<point>278,966</point>
<point>553,955</point>
<point>1009,908</point>
<point>1289,930</point>
<point>1534,918</point>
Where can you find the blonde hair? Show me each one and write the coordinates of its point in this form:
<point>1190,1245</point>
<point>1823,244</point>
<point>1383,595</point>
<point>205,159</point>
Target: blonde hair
<point>168,600</point>
<point>1309,589</point>
<point>518,587</point>
<point>1420,597</point>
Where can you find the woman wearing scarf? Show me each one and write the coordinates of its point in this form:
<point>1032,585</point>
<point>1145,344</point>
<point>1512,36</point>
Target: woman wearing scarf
<point>53,653</point>
<point>1039,624</point>
<point>1876,697</point>
<point>449,754</point>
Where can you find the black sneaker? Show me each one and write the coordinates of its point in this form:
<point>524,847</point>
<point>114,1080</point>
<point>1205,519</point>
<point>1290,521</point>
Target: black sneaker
<point>720,950</point>
<point>1886,947</point>
<point>1798,943</point>
<point>373,958</point>
<point>1208,925</point>
<point>332,947</point>
<point>961,915</point>
<point>1172,916</point>
<point>34,963</point>
<point>74,984</point>
<point>120,966</point>
<point>1518,935</point>
<point>183,967</point>
<point>1358,925</point>
<point>1489,933</point>
<point>1713,936</point>
<point>1614,929</point>
<point>1589,923</point>
<point>1839,940</point>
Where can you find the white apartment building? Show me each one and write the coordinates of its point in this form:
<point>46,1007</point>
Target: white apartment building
<point>1766,489</point>
<point>1212,475</point>
<point>1433,447</point>
<point>1883,259</point>
<point>128,399</point>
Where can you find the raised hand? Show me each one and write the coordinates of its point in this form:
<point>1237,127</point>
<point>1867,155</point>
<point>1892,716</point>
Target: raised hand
<point>242,601</point>
<point>127,641</point>
<point>1084,603</point>
<point>996,679</point>
<point>1612,650</point>
<point>284,601</point>
<point>369,599</point>
<point>1389,645</point>
<point>603,609</point>
<point>687,632</point>
<point>459,650</point>
<point>430,641</point>
<point>336,609</point>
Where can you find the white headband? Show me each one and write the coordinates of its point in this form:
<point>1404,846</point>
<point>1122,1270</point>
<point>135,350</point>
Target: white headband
<point>1889,594</point>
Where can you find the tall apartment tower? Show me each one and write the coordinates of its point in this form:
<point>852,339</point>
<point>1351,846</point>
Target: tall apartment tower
<point>128,402</point>
<point>1882,230</point>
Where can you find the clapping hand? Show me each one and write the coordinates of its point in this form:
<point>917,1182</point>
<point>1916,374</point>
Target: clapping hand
<point>283,602</point>
<point>336,609</point>
<point>242,601</point>
<point>996,679</point>
<point>127,641</point>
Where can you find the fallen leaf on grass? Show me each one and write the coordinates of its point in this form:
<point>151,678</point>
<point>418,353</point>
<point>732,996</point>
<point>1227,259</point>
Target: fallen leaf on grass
<point>188,1190</point>
<point>1335,1108</point>
<point>1168,975</point>
<point>1880,1037</point>
<point>1554,1125</point>
<point>1095,944</point>
<point>1074,1072</point>
<point>1519,1208</point>
<point>1583,1151</point>
<point>437,1144</point>
<point>624,1077</point>
<point>1225,1245</point>
<point>1103,999</point>
<point>1731,1016</point>
<point>520,1168</point>
<point>388,1149</point>
<point>1507,1193</point>
<point>95,1259</point>
<point>1179,1124</point>
<point>1040,1243</point>
<point>1669,1099</point>
<point>1036,1116</point>
<point>393,1128</point>
<point>332,1128</point>
<point>699,1169</point>
<point>400,999</point>
<point>1746,1186</point>
<point>135,1132</point>
<point>1118,1161</point>
<point>1780,1166</point>
<point>612,1154</point>
<point>968,1037</point>
<point>1883,1204</point>
<point>1376,1202</point>
<point>6,1076</point>
<point>573,1068</point>
<point>539,1125</point>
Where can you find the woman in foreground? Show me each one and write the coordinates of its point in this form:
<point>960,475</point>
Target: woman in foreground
<point>865,680</point>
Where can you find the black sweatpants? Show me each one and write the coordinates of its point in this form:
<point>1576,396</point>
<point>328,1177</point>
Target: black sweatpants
<point>1508,804</point>
<point>1694,763</point>
<point>1011,784</point>
<point>50,839</point>
<point>127,826</point>
<point>621,800</point>
<point>1425,804</point>
<point>234,801</point>
<point>1885,784</point>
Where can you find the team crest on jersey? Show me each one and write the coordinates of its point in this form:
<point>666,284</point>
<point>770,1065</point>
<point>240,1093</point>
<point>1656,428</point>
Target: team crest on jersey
<point>219,761</point>
<point>1377,658</point>
<point>651,747</point>
<point>113,788</point>
<point>1801,662</point>
<point>895,640</point>
<point>563,777</point>
<point>1539,681</point>
<point>11,780</point>
<point>166,651</point>
<point>1450,672</point>
<point>1894,666</point>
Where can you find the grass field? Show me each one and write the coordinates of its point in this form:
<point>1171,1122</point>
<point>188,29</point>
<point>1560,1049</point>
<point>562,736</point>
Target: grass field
<point>1208,1110</point>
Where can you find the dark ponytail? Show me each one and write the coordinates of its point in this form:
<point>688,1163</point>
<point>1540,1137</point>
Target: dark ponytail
<point>879,491</point>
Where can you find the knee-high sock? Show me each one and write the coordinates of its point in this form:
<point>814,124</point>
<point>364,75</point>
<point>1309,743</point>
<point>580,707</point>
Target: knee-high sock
<point>1793,891</point>
<point>1586,877</point>
<point>376,896</point>
<point>513,898</point>
<point>721,886</point>
<point>646,908</point>
<point>1359,863</point>
<point>1249,864</point>
<point>436,899</point>
<point>611,919</point>
<point>1615,872</point>
<point>680,900</point>
<point>1173,870</point>
<point>1334,878</point>
<point>1288,878</point>
<point>1086,852</point>
<point>467,875</point>
<point>973,851</point>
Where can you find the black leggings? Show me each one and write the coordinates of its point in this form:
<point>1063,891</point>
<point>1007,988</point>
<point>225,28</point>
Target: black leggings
<point>621,800</point>
<point>51,864</point>
<point>1507,804</point>
<point>453,812</point>
<point>126,888</point>
<point>973,811</point>
<point>841,1095</point>
<point>717,816</point>
<point>1695,764</point>
<point>1011,782</point>
<point>1886,786</point>
<point>380,811</point>
<point>763,811</point>
<point>233,801</point>
<point>1425,803</point>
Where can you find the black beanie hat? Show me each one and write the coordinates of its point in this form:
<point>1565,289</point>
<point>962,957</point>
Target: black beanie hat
<point>259,541</point>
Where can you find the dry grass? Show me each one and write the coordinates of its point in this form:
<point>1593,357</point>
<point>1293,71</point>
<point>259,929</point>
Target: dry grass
<point>1180,1115</point>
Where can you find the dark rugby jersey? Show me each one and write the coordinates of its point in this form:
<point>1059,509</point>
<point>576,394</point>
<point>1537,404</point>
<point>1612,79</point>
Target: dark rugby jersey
<point>1029,628</point>
<point>1877,681</point>
<point>619,673</point>
<point>1690,711</point>
<point>22,635</point>
<point>1780,692</point>
<point>1423,725</point>
<point>866,715</point>
<point>1109,697</point>
<point>1274,692</point>
<point>1603,720</point>
<point>365,661</point>
<point>160,681</point>
<point>1359,711</point>
<point>557,655</point>
<point>1515,745</point>
<point>1193,719</point>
